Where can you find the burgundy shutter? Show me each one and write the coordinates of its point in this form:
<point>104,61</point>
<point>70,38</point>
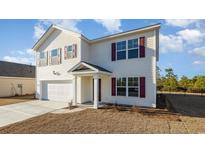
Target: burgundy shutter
<point>65,52</point>
<point>142,87</point>
<point>142,47</point>
<point>113,51</point>
<point>60,55</point>
<point>47,58</point>
<point>99,95</point>
<point>93,89</point>
<point>113,87</point>
<point>74,50</point>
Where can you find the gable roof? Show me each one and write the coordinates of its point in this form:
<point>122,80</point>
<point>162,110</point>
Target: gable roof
<point>97,67</point>
<point>50,30</point>
<point>9,69</point>
<point>54,27</point>
<point>89,67</point>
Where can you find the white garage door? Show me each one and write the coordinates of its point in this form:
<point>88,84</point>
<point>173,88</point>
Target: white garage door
<point>57,90</point>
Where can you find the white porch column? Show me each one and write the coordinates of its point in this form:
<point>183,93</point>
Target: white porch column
<point>96,90</point>
<point>75,90</point>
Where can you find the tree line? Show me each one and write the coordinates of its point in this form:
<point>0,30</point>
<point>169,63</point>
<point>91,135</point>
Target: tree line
<point>170,82</point>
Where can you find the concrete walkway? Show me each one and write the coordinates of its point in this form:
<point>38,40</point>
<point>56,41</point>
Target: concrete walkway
<point>21,111</point>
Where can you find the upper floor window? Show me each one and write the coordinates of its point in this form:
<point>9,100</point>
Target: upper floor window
<point>121,50</point>
<point>121,87</point>
<point>42,55</point>
<point>133,48</point>
<point>133,86</point>
<point>55,56</point>
<point>54,53</point>
<point>128,49</point>
<point>70,51</point>
<point>70,48</point>
<point>42,58</point>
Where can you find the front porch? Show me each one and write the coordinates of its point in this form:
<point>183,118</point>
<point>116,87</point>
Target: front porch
<point>87,83</point>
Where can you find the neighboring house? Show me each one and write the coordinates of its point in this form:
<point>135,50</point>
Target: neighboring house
<point>118,69</point>
<point>16,79</point>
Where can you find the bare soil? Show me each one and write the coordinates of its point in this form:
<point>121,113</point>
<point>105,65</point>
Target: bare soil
<point>15,99</point>
<point>109,120</point>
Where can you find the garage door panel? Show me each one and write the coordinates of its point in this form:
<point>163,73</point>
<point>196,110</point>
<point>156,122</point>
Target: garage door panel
<point>58,91</point>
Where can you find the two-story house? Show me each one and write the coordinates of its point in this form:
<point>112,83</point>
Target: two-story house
<point>119,68</point>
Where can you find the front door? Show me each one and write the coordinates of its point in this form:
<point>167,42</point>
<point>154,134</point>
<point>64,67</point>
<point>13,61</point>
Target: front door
<point>99,94</point>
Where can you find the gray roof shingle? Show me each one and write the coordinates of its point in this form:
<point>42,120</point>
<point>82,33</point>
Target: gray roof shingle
<point>10,69</point>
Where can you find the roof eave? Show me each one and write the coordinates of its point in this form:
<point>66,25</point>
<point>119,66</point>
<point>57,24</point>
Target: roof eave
<point>49,31</point>
<point>139,30</point>
<point>52,27</point>
<point>38,43</point>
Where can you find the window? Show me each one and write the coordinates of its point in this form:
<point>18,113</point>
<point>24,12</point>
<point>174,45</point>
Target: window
<point>70,48</point>
<point>42,55</point>
<point>42,59</point>
<point>121,50</point>
<point>55,56</point>
<point>54,53</point>
<point>121,87</point>
<point>133,86</point>
<point>133,48</point>
<point>69,51</point>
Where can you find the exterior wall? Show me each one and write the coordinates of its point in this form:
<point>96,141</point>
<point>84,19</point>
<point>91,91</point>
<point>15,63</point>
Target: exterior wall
<point>9,86</point>
<point>86,89</point>
<point>85,51</point>
<point>101,55</point>
<point>58,39</point>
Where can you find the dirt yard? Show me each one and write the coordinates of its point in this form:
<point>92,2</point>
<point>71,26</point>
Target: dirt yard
<point>15,99</point>
<point>114,120</point>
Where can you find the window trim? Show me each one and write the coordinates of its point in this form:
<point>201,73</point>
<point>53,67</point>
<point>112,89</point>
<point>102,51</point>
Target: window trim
<point>121,86</point>
<point>71,48</point>
<point>42,61</point>
<point>127,48</point>
<point>42,52</point>
<point>127,87</point>
<point>56,55</point>
<point>52,58</point>
<point>121,50</point>
<point>138,86</point>
<point>69,53</point>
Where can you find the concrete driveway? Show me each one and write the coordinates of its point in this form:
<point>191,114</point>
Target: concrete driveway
<point>21,111</point>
